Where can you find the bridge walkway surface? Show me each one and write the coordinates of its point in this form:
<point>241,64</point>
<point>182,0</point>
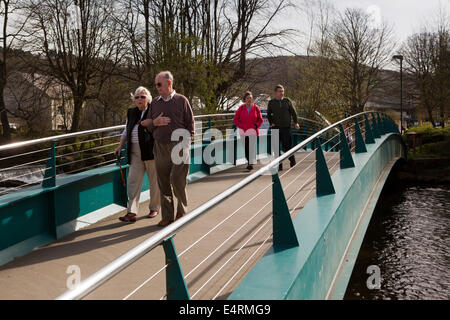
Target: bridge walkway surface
<point>241,232</point>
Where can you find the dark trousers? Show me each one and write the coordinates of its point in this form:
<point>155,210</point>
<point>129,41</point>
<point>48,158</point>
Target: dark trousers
<point>250,143</point>
<point>285,136</point>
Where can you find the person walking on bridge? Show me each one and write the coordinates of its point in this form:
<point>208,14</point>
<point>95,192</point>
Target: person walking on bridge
<point>172,174</point>
<point>248,119</point>
<point>139,156</point>
<point>279,114</point>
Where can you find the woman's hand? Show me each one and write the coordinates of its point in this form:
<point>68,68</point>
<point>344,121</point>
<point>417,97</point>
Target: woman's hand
<point>117,151</point>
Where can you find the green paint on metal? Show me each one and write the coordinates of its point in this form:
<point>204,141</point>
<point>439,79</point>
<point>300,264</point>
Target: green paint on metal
<point>324,185</point>
<point>376,131</point>
<point>346,155</point>
<point>50,171</point>
<point>176,287</point>
<point>327,137</point>
<point>380,125</point>
<point>369,134</point>
<point>326,224</point>
<point>284,235</point>
<point>360,146</point>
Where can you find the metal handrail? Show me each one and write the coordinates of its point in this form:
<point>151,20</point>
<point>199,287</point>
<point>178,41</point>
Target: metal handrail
<point>94,131</point>
<point>116,266</point>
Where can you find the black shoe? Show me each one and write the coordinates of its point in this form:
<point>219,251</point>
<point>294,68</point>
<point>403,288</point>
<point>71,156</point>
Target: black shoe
<point>280,167</point>
<point>249,167</point>
<point>293,163</point>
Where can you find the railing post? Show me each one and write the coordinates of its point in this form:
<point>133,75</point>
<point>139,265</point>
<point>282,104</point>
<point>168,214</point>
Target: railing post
<point>327,137</point>
<point>368,133</point>
<point>346,155</point>
<point>380,125</point>
<point>376,131</point>
<point>50,170</point>
<point>324,185</point>
<point>360,146</point>
<point>176,287</point>
<point>284,235</point>
<point>305,132</point>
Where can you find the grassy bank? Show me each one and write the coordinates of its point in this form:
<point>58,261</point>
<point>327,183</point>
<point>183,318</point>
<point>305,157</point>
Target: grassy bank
<point>436,142</point>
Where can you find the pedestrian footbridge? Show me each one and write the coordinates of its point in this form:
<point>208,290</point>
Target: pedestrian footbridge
<point>265,234</point>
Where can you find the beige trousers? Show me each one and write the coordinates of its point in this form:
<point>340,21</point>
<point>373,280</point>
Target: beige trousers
<point>135,178</point>
<point>171,177</point>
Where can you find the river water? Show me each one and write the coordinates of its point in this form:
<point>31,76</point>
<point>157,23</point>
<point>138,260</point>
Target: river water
<point>408,239</point>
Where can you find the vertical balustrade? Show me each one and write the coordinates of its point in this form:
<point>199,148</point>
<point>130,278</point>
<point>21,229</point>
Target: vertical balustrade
<point>176,287</point>
<point>324,185</point>
<point>284,235</point>
<point>345,154</point>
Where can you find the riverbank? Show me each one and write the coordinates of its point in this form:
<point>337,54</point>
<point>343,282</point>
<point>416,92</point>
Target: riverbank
<point>425,170</point>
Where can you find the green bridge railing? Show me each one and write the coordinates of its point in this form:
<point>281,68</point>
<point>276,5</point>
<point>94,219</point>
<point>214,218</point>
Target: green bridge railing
<point>343,137</point>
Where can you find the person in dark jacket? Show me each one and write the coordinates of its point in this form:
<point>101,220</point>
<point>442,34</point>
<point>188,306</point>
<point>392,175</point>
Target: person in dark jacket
<point>139,156</point>
<point>248,119</point>
<point>279,114</point>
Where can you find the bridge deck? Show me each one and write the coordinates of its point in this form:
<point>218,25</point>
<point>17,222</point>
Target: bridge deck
<point>41,274</point>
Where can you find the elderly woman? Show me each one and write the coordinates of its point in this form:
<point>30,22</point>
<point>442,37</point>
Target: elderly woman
<point>140,156</point>
<point>248,119</point>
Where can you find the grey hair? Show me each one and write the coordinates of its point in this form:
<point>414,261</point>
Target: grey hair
<point>167,75</point>
<point>139,90</point>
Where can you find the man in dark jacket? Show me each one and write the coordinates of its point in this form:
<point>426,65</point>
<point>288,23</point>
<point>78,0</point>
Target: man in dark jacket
<point>279,113</point>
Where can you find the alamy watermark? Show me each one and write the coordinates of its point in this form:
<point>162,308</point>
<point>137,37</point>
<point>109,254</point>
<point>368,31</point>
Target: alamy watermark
<point>74,278</point>
<point>373,282</point>
<point>218,143</point>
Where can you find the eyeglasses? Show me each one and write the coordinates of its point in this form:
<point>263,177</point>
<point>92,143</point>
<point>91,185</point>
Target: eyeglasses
<point>142,97</point>
<point>159,84</point>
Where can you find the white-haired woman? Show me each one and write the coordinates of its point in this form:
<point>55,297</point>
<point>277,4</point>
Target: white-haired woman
<point>139,156</point>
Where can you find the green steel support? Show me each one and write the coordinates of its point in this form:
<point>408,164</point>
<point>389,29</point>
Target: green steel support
<point>376,131</point>
<point>346,155</point>
<point>327,137</point>
<point>324,185</point>
<point>369,133</point>
<point>284,235</point>
<point>386,127</point>
<point>175,284</point>
<point>50,171</point>
<point>360,146</point>
<point>380,125</point>
<point>305,130</point>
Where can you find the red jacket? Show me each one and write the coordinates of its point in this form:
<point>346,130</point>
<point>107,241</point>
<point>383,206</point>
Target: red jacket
<point>245,120</point>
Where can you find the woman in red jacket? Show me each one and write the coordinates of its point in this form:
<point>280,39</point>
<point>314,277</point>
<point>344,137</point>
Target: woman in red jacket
<point>248,119</point>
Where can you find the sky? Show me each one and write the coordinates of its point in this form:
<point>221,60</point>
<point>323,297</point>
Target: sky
<point>406,16</point>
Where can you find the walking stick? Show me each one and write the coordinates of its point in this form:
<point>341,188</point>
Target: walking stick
<point>120,168</point>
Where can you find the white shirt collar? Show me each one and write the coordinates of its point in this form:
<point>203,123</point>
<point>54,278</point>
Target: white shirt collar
<point>168,98</point>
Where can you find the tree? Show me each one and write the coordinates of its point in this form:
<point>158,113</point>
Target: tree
<point>317,87</point>
<point>79,42</point>
<point>362,50</point>
<point>206,44</point>
<point>8,39</point>
<point>427,57</point>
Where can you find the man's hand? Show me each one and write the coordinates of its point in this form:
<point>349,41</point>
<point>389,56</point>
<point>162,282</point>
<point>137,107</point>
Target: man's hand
<point>161,120</point>
<point>297,126</point>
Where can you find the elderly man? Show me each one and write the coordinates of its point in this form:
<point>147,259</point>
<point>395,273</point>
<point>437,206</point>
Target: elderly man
<point>176,110</point>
